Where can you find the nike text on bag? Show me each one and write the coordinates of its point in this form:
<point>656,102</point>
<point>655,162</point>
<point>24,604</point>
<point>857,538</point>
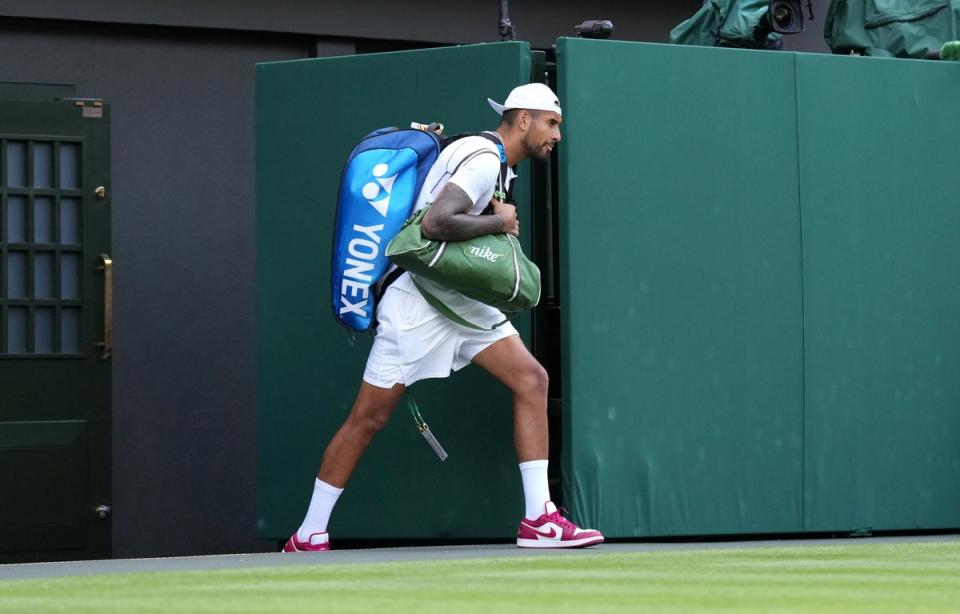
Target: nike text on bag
<point>379,186</point>
<point>491,269</point>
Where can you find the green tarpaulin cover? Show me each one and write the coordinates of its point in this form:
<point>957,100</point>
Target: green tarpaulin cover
<point>725,23</point>
<point>891,28</point>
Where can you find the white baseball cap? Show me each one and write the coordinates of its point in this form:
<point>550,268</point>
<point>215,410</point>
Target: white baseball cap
<point>532,96</point>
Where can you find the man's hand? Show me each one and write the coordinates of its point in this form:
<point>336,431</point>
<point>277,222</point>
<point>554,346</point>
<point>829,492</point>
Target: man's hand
<point>507,213</point>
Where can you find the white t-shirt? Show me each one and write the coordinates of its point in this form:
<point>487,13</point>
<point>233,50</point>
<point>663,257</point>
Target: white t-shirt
<point>473,164</point>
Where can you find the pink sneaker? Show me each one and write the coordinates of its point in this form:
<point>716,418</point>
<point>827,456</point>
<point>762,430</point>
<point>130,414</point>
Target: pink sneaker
<point>551,530</point>
<point>318,542</point>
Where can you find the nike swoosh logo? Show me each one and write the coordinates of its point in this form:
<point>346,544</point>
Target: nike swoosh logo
<point>553,533</point>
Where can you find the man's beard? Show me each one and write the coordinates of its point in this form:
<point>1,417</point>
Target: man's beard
<point>538,152</point>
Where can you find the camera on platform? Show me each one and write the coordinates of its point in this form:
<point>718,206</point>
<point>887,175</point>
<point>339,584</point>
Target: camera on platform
<point>594,28</point>
<point>783,17</point>
<point>747,24</point>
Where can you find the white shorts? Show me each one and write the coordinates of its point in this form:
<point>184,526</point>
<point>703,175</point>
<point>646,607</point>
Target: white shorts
<point>414,341</point>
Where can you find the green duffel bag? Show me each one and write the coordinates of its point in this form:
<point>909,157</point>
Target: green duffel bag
<point>491,269</point>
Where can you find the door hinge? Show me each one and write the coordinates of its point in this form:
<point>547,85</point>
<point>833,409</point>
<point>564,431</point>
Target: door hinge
<point>91,108</point>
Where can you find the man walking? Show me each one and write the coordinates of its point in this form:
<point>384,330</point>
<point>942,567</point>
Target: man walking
<point>414,341</point>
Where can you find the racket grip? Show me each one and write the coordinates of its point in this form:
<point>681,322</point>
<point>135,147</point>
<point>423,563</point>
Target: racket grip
<point>425,431</point>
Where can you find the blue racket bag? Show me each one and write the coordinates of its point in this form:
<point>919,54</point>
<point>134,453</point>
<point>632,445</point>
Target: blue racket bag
<point>378,189</point>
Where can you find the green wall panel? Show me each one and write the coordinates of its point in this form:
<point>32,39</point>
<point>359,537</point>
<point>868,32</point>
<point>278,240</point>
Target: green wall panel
<point>681,286</point>
<point>309,115</point>
<point>758,262</point>
<point>881,223</point>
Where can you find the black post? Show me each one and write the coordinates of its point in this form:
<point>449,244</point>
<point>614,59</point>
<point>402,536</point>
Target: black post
<point>505,27</point>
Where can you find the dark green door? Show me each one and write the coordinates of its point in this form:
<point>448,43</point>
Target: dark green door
<point>308,369</point>
<point>55,330</point>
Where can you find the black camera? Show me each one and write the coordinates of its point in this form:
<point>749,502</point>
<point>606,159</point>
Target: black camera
<point>594,28</point>
<point>783,17</point>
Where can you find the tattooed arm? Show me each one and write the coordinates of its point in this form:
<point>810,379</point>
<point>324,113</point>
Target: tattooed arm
<point>448,220</point>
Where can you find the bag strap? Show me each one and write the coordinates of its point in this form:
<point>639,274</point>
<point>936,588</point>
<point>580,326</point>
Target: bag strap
<point>391,277</point>
<point>504,195</point>
<point>380,290</point>
<point>449,313</point>
<point>501,194</point>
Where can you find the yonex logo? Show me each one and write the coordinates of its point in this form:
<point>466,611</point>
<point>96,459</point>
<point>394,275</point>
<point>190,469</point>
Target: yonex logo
<point>357,278</point>
<point>373,191</point>
<point>365,246</point>
<point>483,252</point>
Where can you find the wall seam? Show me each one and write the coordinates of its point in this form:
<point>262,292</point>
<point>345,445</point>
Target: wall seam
<point>803,307</point>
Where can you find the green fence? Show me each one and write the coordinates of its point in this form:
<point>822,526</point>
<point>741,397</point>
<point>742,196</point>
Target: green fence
<point>759,262</point>
<point>310,114</point>
<point>682,324</point>
<point>881,222</point>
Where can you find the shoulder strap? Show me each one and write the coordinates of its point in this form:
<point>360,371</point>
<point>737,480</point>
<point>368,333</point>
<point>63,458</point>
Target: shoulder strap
<point>439,305</point>
<point>390,277</point>
<point>505,195</point>
<point>380,289</point>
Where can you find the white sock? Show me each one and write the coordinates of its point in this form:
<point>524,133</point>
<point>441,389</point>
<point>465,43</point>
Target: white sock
<point>318,514</point>
<point>536,490</point>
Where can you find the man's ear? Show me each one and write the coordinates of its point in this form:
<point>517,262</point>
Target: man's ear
<point>523,120</point>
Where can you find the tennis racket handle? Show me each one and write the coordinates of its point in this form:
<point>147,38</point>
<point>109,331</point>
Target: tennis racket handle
<point>425,431</point>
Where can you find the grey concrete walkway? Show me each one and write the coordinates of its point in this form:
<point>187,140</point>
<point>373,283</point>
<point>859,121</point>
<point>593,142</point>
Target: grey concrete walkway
<point>388,555</point>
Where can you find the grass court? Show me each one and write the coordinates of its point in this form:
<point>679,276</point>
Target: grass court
<point>847,577</point>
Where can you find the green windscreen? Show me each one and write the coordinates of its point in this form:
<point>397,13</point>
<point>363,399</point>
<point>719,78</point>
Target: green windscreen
<point>757,262</point>
<point>881,221</point>
<point>682,324</point>
<point>759,255</point>
<point>310,114</point>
